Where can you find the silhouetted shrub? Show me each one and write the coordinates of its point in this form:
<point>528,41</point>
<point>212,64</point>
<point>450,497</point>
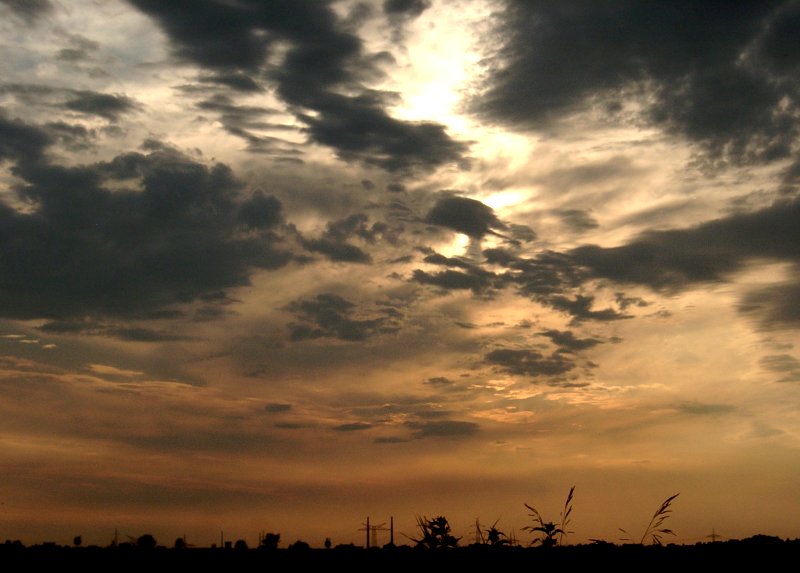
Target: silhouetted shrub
<point>146,541</point>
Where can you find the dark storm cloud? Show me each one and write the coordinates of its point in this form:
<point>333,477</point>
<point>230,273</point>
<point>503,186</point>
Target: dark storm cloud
<point>260,211</point>
<point>171,235</point>
<point>566,340</point>
<point>774,307</point>
<point>669,260</point>
<point>72,55</point>
<point>408,8</point>
<point>237,81</point>
<point>398,12</point>
<point>577,220</point>
<point>439,381</point>
<point>438,259</point>
<point>277,407</point>
<point>30,10</point>
<point>443,429</point>
<point>476,280</point>
<point>521,233</point>
<point>142,335</point>
<point>330,316</point>
<point>21,142</point>
<point>108,106</point>
<point>624,301</point>
<point>527,362</point>
<point>321,61</point>
<point>722,74</point>
<point>354,427</point>
<point>246,121</point>
<point>791,178</point>
<point>547,273</point>
<point>786,365</point>
<point>72,137</point>
<point>464,215</point>
<point>81,50</point>
<point>700,409</point>
<point>334,242</point>
<point>100,328</point>
<point>580,308</point>
<point>360,129</point>
<point>549,278</point>
<point>337,251</point>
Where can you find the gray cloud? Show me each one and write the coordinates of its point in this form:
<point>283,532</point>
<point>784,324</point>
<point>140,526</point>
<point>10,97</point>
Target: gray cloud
<point>722,76</point>
<point>438,259</point>
<point>526,362</point>
<point>785,364</point>
<point>72,55</point>
<point>108,106</point>
<point>439,381</point>
<point>330,316</point>
<point>776,306</point>
<point>476,280</point>
<point>322,61</point>
<point>408,8</point>
<point>700,409</point>
<point>540,277</point>
<point>668,260</point>
<point>580,308</point>
<point>277,407</point>
<point>21,142</point>
<point>260,211</point>
<point>443,429</point>
<point>334,241</point>
<point>237,81</point>
<point>791,178</point>
<point>72,137</point>
<point>354,427</point>
<point>577,220</point>
<point>549,279</point>
<point>464,215</point>
<point>29,10</point>
<point>567,341</point>
<point>173,235</point>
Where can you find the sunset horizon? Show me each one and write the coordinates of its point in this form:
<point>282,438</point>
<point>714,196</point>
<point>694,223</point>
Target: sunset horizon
<point>284,266</point>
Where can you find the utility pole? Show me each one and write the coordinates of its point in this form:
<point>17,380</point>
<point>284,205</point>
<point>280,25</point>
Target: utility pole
<point>372,532</point>
<point>366,528</point>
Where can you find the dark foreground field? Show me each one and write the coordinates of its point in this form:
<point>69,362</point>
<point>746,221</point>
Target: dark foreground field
<point>757,552</point>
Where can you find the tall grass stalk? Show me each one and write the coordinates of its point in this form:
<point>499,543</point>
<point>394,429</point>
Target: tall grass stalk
<point>654,529</point>
<point>548,529</point>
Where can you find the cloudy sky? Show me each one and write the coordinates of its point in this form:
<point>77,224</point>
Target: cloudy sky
<point>286,265</point>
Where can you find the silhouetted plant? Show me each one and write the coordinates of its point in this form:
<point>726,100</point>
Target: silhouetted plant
<point>240,545</point>
<point>271,540</point>
<point>77,541</point>
<point>435,533</point>
<point>327,543</point>
<point>654,529</point>
<point>146,541</point>
<point>180,543</point>
<point>494,536</point>
<point>299,545</point>
<point>551,534</point>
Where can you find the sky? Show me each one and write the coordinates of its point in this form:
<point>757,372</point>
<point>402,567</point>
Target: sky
<point>283,266</point>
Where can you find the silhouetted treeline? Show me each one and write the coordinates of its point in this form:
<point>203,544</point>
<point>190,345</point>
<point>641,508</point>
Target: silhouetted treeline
<point>759,551</point>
